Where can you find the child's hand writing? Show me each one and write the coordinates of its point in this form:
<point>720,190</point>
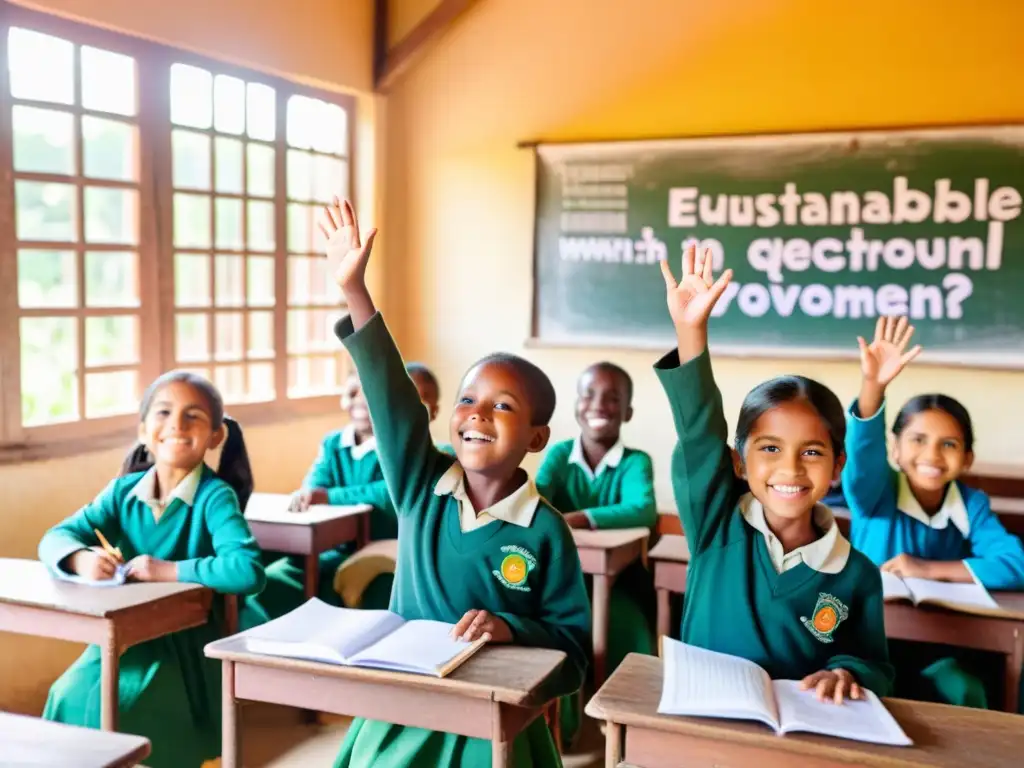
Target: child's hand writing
<point>832,685</point>
<point>577,520</point>
<point>907,567</point>
<point>147,568</point>
<point>93,563</point>
<point>883,359</point>
<point>306,498</point>
<point>481,624</point>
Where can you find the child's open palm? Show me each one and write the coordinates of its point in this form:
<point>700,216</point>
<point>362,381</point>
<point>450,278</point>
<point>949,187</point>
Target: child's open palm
<point>691,300</point>
<point>347,253</point>
<point>883,359</point>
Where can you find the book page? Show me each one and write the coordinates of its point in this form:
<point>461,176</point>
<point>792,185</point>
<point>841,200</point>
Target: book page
<point>119,578</point>
<point>964,596</point>
<point>893,587</point>
<point>865,719</point>
<point>321,632</point>
<point>418,646</point>
<point>702,683</point>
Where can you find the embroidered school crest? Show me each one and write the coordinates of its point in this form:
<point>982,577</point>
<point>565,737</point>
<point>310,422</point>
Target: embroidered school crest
<point>515,567</point>
<point>829,612</point>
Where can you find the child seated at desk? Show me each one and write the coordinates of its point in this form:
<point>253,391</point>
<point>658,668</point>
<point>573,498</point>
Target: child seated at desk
<point>176,520</point>
<point>921,521</point>
<point>771,578</point>
<point>598,483</point>
<point>430,395</point>
<point>477,546</point>
<point>346,471</point>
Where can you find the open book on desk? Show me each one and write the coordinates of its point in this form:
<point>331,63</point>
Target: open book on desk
<point>702,683</point>
<point>357,638</point>
<point>967,598</point>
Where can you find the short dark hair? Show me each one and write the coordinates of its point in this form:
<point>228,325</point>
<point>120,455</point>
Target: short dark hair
<point>617,371</point>
<point>936,402</point>
<point>538,386</point>
<point>785,389</point>
<point>419,369</point>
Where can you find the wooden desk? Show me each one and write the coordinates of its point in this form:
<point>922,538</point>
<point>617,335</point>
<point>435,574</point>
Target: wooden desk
<point>308,533</point>
<point>603,556</point>
<point>494,695</point>
<point>997,479</point>
<point>1011,513</point>
<point>943,736</point>
<point>32,602</point>
<point>670,558</point>
<point>29,741</point>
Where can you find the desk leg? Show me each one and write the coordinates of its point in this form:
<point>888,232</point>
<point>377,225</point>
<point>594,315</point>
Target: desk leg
<point>664,612</point>
<point>312,574</point>
<point>612,745</point>
<point>110,664</point>
<point>230,747</point>
<point>602,588</point>
<point>1014,662</point>
<point>501,750</point>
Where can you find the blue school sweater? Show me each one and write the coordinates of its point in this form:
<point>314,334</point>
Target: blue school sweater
<point>886,519</point>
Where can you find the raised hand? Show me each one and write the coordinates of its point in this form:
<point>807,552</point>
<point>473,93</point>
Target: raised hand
<point>691,300</point>
<point>347,253</point>
<point>883,359</point>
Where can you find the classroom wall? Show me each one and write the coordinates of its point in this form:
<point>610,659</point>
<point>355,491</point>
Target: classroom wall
<point>460,194</point>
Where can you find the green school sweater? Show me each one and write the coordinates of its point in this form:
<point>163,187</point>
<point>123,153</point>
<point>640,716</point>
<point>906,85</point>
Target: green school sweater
<point>619,497</point>
<point>168,690</point>
<point>792,624</point>
<point>443,573</point>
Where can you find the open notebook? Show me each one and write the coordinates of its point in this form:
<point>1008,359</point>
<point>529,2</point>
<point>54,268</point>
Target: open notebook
<point>967,598</point>
<point>359,638</point>
<point>119,577</point>
<point>702,683</point>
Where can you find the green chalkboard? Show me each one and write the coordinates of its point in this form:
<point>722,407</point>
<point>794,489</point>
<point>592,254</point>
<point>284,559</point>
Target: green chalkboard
<point>824,232</point>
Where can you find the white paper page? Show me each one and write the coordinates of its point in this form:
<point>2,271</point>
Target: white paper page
<point>702,683</point>
<point>119,577</point>
<point>944,592</point>
<point>865,719</point>
<point>321,632</point>
<point>893,586</point>
<point>418,646</point>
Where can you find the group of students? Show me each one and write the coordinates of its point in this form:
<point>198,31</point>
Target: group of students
<point>486,548</point>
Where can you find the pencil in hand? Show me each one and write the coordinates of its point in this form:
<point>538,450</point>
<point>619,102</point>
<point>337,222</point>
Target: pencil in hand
<point>114,552</point>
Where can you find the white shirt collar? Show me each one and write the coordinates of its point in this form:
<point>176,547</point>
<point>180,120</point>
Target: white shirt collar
<point>825,555</point>
<point>348,440</point>
<point>953,509</point>
<point>611,458</point>
<point>517,508</point>
<point>145,489</point>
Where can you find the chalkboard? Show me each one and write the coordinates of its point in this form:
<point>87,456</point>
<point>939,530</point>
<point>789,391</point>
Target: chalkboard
<point>824,232</point>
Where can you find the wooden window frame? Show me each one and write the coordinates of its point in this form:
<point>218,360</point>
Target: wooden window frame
<point>156,253</point>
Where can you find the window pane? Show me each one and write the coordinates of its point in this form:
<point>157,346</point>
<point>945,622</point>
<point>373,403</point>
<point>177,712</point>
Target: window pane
<point>229,223</point>
<point>228,153</point>
<point>111,215</point>
<point>191,96</point>
<point>191,221</point>
<point>46,279</point>
<point>111,394</point>
<point>261,170</point>
<point>43,140</point>
<point>261,281</point>
<point>261,382</point>
<point>261,334</point>
<point>45,211</point>
<point>330,178</point>
<point>228,104</point>
<point>111,279</point>
<point>261,114</point>
<point>309,282</point>
<point>229,277</point>
<point>311,330</point>
<point>228,336</point>
<point>191,159</point>
<point>309,376</point>
<point>109,149</point>
<point>42,67</point>
<point>261,225</point>
<point>300,175</point>
<point>108,82</point>
<point>191,280</point>
<point>191,338</point>
<point>111,340</point>
<point>301,223</point>
<point>302,115</point>
<point>230,380</point>
<point>49,386</point>
<point>332,135</point>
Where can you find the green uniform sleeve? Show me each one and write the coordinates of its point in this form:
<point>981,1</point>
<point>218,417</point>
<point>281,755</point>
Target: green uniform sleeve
<point>236,566</point>
<point>550,474</point>
<point>410,462</point>
<point>375,494</point>
<point>322,474</point>
<point>869,657</point>
<point>637,508</point>
<point>78,531</point>
<point>564,620</point>
<point>702,475</point>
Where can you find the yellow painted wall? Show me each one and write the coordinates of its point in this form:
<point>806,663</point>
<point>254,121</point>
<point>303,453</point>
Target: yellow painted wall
<point>404,15</point>
<point>460,196</point>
